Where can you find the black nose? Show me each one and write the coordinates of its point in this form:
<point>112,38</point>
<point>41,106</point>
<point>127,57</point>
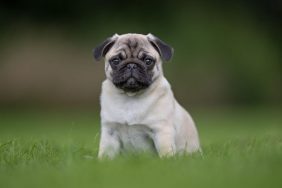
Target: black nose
<point>131,66</point>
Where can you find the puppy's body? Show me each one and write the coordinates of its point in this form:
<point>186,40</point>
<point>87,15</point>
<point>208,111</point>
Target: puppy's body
<point>132,122</point>
<point>144,119</point>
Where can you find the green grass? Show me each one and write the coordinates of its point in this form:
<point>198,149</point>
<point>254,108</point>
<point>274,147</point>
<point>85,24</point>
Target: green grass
<point>242,148</point>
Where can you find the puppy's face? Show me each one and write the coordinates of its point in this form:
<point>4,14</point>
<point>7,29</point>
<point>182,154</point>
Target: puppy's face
<point>133,61</point>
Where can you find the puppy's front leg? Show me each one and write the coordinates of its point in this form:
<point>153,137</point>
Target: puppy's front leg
<point>109,143</point>
<point>164,141</point>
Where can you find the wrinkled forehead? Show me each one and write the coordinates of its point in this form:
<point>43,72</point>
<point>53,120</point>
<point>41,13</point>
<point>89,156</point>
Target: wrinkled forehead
<point>133,46</point>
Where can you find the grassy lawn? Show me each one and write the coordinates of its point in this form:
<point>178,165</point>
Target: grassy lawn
<point>242,148</point>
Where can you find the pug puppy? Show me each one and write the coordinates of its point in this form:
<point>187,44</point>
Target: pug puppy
<point>138,110</point>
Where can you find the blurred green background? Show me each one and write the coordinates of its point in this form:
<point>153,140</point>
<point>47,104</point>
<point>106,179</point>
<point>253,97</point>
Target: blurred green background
<point>226,70</point>
<point>227,53</point>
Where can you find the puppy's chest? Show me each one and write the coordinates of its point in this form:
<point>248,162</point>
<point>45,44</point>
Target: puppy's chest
<point>127,112</point>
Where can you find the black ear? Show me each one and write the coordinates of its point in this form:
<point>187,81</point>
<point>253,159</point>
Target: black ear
<point>104,47</point>
<point>165,51</point>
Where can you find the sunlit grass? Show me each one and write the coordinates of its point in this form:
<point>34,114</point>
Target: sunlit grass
<point>241,149</point>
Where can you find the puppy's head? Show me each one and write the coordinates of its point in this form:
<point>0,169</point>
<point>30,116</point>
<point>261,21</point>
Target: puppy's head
<point>133,61</point>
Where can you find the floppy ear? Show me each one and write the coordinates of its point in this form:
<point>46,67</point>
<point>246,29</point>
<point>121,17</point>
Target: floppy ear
<point>164,49</point>
<point>104,47</point>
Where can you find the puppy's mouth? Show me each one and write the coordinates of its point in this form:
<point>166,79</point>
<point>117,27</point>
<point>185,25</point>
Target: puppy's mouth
<point>132,81</point>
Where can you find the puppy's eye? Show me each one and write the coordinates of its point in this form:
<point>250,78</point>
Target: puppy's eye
<point>115,61</point>
<point>149,61</point>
